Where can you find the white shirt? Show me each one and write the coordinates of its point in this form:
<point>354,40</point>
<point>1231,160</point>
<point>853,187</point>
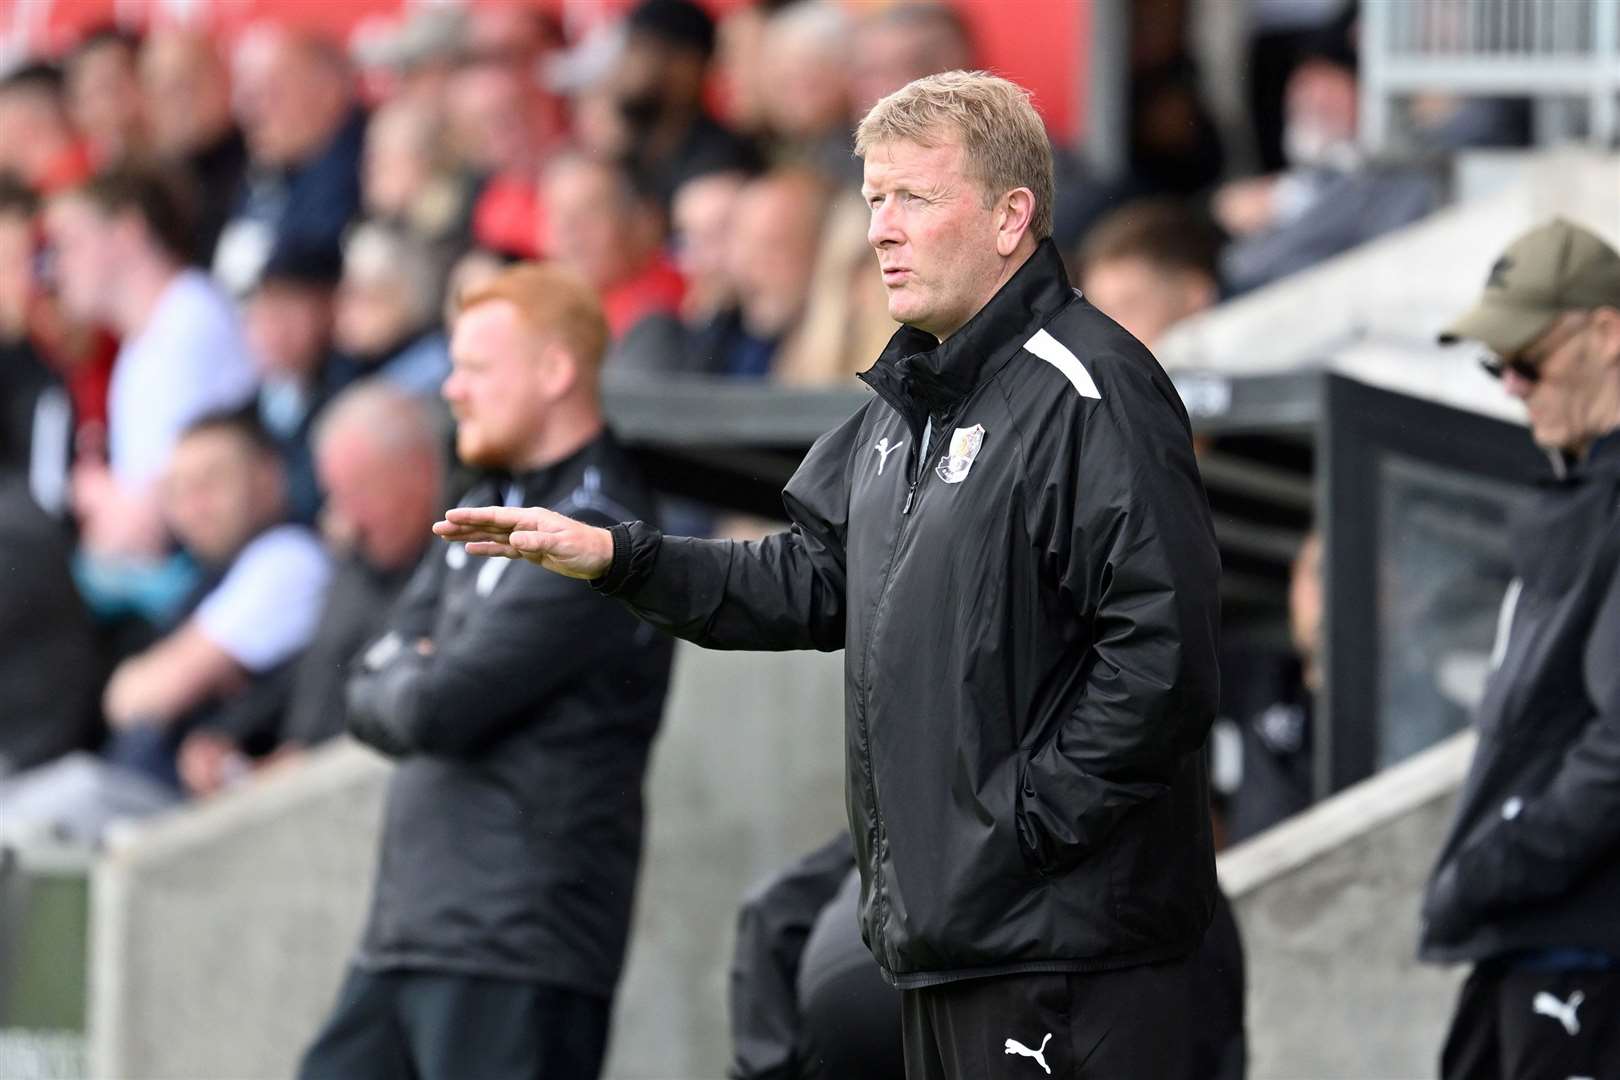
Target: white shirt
<point>267,608</point>
<point>188,361</point>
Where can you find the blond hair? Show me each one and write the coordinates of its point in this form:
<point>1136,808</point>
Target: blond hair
<point>1004,143</point>
<point>553,300</point>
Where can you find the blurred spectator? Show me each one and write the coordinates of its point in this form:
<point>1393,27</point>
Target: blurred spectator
<point>658,84</point>
<point>304,133</point>
<point>104,96</point>
<point>415,58</point>
<point>1281,32</point>
<point>512,840</point>
<point>288,319</point>
<point>40,147</point>
<point>1150,264</point>
<point>121,243</point>
<point>502,128</point>
<point>519,36</point>
<point>805,101</point>
<point>702,213</point>
<point>409,179</point>
<point>380,455</point>
<point>254,611</point>
<point>897,43</point>
<point>612,235</point>
<point>387,318</point>
<point>188,116</point>
<point>225,500</point>
<point>774,231</point>
<point>36,419</point>
<point>49,671</point>
<point>473,268</point>
<point>1331,199</point>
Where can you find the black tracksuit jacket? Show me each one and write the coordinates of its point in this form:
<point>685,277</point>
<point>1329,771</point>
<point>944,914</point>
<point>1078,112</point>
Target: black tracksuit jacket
<point>1029,632</point>
<point>1533,858</point>
<point>512,831</point>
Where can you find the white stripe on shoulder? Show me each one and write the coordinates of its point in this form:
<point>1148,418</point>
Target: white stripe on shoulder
<point>1054,352</point>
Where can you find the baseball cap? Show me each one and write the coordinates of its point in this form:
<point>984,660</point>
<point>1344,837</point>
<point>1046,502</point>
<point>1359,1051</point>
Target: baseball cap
<point>1553,268</point>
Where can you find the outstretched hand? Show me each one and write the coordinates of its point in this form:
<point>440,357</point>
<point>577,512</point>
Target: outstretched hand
<point>558,543</point>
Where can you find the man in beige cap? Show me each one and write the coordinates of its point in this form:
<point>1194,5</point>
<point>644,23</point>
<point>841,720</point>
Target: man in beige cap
<point>1527,886</point>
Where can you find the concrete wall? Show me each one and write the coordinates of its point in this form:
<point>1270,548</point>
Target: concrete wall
<point>220,933</point>
<point>1328,906</point>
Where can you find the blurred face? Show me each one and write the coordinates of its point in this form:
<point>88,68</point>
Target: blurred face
<point>105,97</point>
<point>1575,399</point>
<point>885,57</point>
<point>1305,598</point>
<point>217,494</point>
<point>396,166</point>
<point>1320,128</point>
<point>492,126</point>
<point>187,93</point>
<point>1146,299</point>
<point>298,102</point>
<point>288,326</point>
<point>702,213</point>
<point>934,238</point>
<point>773,253</point>
<point>804,94</point>
<point>87,253</point>
<point>589,225</point>
<point>371,317</point>
<point>381,502</point>
<point>497,389</point>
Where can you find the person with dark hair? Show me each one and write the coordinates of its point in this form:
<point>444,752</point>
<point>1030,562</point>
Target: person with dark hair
<point>188,115</point>
<point>104,95</point>
<point>287,318</point>
<point>304,132</point>
<point>253,610</point>
<point>40,148</point>
<point>121,243</point>
<point>1150,264</point>
<point>657,85</point>
<point>510,845</point>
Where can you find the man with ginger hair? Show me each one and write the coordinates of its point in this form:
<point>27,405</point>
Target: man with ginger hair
<point>512,835</point>
<point>1011,544</point>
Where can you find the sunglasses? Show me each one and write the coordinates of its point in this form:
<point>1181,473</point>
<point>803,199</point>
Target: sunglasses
<point>1497,368</point>
<point>1524,366</point>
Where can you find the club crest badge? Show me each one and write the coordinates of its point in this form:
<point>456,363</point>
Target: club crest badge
<point>965,444</point>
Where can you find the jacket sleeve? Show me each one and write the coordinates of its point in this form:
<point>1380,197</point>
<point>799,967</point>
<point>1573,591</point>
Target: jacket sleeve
<point>773,925</point>
<point>532,635</point>
<point>783,592</point>
<point>1130,538</point>
<point>1558,835</point>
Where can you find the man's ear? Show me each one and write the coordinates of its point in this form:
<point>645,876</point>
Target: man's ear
<point>1606,322</point>
<point>1017,211</point>
<point>559,371</point>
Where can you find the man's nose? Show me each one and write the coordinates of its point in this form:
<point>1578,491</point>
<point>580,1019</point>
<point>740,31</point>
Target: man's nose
<point>884,230</point>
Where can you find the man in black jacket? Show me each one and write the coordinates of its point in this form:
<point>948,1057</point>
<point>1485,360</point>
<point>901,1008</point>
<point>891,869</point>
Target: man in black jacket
<point>1527,885</point>
<point>513,829</point>
<point>1012,546</point>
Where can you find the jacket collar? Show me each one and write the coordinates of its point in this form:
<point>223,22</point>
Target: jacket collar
<point>939,375</point>
<point>536,484</point>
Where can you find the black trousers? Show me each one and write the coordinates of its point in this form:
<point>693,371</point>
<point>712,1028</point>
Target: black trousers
<point>403,1025</point>
<point>1132,1023</point>
<point>1523,1025</point>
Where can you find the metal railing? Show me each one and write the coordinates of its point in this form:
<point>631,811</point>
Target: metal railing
<point>1559,53</point>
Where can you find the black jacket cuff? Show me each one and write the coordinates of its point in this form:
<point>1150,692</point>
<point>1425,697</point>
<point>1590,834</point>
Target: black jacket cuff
<point>635,546</point>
